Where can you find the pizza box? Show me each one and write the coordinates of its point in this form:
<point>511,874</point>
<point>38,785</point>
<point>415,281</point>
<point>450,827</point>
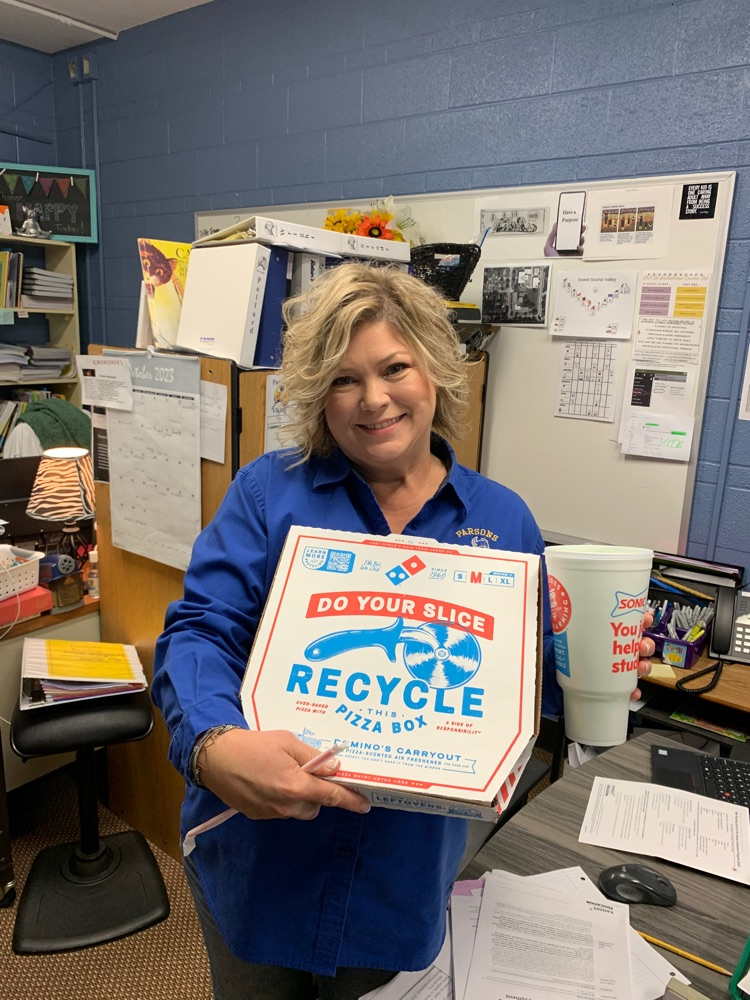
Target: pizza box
<point>425,657</point>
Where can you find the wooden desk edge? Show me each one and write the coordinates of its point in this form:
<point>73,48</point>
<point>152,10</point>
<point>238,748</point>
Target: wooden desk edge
<point>90,606</point>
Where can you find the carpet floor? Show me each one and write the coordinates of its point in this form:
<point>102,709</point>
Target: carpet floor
<point>164,962</point>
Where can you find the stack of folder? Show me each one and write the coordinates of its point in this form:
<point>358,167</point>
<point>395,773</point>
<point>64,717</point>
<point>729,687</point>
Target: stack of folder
<point>43,289</point>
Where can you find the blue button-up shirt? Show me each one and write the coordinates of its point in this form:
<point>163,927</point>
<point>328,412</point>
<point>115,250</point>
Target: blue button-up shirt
<point>343,889</point>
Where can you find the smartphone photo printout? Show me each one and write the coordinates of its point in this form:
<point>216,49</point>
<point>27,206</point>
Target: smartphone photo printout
<point>570,212</point>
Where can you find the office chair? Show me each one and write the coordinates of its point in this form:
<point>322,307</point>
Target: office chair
<point>99,889</point>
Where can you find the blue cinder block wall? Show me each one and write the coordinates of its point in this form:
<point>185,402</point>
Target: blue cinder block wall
<point>238,103</point>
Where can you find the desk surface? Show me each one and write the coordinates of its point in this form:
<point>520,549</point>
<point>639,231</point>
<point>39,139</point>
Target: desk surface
<point>712,915</point>
<point>733,689</point>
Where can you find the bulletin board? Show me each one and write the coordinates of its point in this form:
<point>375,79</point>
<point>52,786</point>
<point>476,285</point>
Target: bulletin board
<point>601,359</point>
<point>62,198</point>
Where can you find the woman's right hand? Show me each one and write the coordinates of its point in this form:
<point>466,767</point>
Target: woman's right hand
<point>260,775</point>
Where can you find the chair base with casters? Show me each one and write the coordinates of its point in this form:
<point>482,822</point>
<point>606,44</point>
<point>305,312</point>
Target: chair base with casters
<point>101,888</point>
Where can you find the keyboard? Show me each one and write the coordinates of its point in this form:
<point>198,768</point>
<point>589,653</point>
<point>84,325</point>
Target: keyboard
<point>726,779</point>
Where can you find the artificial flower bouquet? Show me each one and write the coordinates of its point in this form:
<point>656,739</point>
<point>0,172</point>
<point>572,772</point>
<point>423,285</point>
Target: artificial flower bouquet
<point>384,220</point>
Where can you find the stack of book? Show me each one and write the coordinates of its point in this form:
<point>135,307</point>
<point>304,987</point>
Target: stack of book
<point>13,359</point>
<point>59,670</point>
<point>43,289</point>
<point>11,269</point>
<point>46,362</point>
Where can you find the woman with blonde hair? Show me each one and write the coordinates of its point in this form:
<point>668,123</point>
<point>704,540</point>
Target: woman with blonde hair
<point>310,893</point>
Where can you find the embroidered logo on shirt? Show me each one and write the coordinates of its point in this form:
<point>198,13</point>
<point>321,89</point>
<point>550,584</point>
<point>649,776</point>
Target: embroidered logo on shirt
<point>480,537</point>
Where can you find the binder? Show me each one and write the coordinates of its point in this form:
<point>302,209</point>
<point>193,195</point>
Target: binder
<point>306,268</point>
<point>268,345</point>
<point>223,299</point>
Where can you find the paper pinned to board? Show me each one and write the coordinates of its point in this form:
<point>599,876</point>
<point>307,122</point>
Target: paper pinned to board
<point>658,435</point>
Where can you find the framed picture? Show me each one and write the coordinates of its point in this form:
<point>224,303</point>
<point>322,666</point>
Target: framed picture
<point>62,199</point>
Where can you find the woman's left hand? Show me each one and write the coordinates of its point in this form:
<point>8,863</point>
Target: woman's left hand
<point>647,649</point>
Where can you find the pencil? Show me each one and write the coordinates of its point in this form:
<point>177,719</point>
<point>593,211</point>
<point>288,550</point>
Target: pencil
<point>311,766</point>
<point>685,954</point>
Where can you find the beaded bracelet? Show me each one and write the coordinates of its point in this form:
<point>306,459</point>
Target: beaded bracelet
<point>205,740</point>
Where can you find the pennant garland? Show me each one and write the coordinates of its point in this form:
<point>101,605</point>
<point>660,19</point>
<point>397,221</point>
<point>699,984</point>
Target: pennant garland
<point>29,180</point>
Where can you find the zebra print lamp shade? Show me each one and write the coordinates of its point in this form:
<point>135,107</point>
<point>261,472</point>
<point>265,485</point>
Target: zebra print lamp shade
<point>63,489</point>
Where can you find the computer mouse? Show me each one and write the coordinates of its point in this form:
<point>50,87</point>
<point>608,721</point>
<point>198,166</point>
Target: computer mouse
<point>635,883</point>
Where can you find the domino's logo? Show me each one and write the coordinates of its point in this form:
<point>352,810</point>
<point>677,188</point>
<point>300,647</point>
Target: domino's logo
<point>405,570</point>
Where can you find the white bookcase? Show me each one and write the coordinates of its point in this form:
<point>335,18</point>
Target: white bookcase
<point>60,257</point>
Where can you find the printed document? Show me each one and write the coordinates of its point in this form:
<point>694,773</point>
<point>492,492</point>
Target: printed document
<point>658,435</point>
<point>542,945</point>
<point>682,827</point>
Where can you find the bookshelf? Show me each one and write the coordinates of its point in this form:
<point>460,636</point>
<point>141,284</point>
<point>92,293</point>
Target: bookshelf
<point>63,325</point>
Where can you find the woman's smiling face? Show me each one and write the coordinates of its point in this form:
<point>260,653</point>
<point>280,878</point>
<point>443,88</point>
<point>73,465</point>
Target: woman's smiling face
<point>381,405</point>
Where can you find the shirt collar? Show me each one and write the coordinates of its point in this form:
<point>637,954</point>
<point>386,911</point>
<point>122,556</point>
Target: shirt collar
<point>336,468</point>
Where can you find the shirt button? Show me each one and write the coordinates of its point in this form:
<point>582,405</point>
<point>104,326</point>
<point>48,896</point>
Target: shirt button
<point>346,852</point>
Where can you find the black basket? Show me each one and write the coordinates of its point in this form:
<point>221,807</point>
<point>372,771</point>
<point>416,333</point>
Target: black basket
<point>446,266</point>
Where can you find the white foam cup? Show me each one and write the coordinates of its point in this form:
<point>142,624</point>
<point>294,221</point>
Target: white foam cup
<point>598,596</point>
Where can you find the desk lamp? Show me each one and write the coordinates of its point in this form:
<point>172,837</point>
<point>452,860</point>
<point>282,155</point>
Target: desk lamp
<point>63,490</point>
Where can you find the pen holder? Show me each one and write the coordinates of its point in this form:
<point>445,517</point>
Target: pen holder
<point>677,652</point>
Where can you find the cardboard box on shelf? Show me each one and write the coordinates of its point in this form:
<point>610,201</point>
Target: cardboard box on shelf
<point>423,656</point>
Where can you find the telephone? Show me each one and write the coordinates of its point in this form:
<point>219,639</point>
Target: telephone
<point>739,650</point>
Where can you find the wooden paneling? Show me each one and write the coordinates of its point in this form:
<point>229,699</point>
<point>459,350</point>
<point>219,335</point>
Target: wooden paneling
<point>252,403</point>
<point>469,448</point>
<point>144,788</point>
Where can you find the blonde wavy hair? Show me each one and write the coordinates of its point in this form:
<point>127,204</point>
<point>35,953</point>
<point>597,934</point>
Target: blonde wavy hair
<point>320,324</point>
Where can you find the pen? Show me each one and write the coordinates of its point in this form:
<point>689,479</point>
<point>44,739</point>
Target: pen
<point>312,765</point>
<point>685,954</point>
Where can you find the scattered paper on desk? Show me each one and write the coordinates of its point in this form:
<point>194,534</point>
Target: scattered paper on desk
<point>542,944</point>
<point>650,972</point>
<point>658,436</point>
<point>661,671</point>
<point>688,829</point>
<point>466,900</point>
<point>105,382</point>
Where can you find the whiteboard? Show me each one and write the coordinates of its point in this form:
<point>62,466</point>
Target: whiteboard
<point>571,472</point>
